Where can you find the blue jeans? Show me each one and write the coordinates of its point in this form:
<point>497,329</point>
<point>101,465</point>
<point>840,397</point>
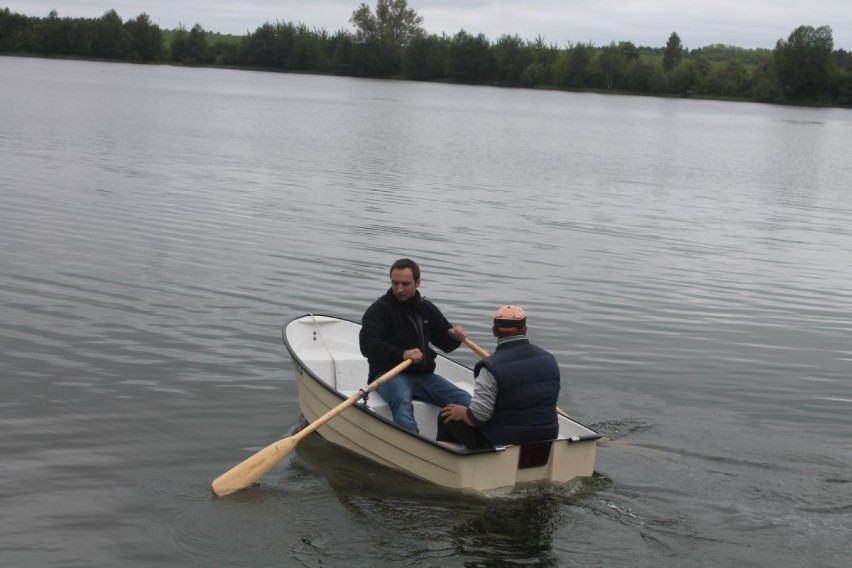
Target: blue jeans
<point>428,387</point>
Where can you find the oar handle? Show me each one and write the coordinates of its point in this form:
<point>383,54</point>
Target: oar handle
<point>483,353</point>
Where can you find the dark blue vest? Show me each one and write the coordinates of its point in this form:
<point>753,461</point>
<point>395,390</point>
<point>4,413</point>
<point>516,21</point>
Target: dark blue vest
<point>527,390</point>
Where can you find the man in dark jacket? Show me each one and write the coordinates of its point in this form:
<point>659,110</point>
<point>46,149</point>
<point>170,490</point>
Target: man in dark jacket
<point>400,325</point>
<point>514,395</point>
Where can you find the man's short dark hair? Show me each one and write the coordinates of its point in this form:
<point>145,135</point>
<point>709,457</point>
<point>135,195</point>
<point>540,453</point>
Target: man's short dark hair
<point>403,263</point>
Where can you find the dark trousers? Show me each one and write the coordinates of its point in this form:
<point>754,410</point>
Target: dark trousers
<point>460,433</point>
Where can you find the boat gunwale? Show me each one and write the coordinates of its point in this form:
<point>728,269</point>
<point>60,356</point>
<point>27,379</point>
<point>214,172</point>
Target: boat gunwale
<point>461,452</point>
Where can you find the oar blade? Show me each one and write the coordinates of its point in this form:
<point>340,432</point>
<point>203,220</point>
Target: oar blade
<point>245,473</point>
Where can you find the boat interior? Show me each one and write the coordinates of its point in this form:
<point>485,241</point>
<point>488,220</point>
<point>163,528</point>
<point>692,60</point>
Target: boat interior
<point>350,375</point>
<point>328,354</point>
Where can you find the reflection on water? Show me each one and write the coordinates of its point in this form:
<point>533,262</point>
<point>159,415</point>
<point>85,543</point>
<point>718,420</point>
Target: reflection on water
<point>443,526</point>
<point>511,530</point>
<point>686,261</point>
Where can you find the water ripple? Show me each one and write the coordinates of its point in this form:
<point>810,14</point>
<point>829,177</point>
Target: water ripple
<point>686,262</point>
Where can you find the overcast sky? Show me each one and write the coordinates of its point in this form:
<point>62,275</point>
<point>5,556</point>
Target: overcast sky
<point>743,23</point>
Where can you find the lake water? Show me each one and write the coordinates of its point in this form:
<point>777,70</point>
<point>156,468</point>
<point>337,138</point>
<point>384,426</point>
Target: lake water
<point>688,262</point>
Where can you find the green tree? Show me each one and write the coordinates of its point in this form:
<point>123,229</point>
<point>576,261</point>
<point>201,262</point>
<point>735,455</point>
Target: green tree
<point>191,48</point>
<point>145,39</point>
<point>683,78</point>
<point>673,54</point>
<point>574,65</point>
<point>423,58</point>
<point>728,80</point>
<point>110,39</point>
<point>725,53</point>
<point>392,25</point>
<point>702,66</point>
<point>540,71</point>
<point>370,59</point>
<point>306,53</point>
<point>469,59</point>
<point>381,36</point>
<point>511,57</point>
<point>766,86</point>
<point>842,60</point>
<point>16,32</point>
<point>844,89</point>
<point>611,63</point>
<point>629,51</point>
<point>803,64</point>
<point>339,50</point>
<point>227,51</point>
<point>529,76</point>
<point>283,39</point>
<point>259,47</point>
<point>643,77</point>
<point>52,35</point>
<point>542,53</point>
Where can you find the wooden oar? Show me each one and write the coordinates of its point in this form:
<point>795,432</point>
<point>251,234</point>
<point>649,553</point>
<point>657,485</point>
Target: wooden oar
<point>483,353</point>
<point>243,474</point>
<point>476,348</point>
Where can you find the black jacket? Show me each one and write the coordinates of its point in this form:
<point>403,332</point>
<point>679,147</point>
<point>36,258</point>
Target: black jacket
<point>390,327</point>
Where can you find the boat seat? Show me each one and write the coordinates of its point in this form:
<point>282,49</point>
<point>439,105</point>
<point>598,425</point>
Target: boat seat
<point>350,369</point>
<point>350,373</point>
<point>425,414</point>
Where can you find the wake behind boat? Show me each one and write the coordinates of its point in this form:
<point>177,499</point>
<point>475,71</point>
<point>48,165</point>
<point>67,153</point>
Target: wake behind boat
<point>330,369</point>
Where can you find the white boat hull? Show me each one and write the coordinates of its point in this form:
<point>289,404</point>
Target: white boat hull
<point>330,368</point>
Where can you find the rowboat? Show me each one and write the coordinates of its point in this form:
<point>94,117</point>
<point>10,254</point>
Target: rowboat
<point>330,369</point>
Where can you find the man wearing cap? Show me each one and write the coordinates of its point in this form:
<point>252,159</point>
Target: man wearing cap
<point>401,325</point>
<point>515,393</point>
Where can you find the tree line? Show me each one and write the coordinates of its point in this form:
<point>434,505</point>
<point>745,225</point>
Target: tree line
<point>390,42</point>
